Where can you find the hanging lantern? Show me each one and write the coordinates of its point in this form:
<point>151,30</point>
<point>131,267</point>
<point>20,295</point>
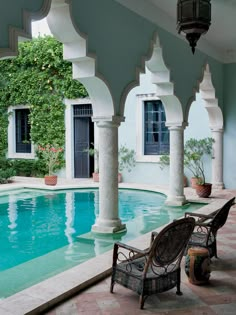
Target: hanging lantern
<point>193,19</point>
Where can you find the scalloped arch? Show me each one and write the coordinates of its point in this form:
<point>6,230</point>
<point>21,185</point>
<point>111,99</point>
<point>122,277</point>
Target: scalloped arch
<point>28,13</point>
<point>207,92</point>
<point>84,65</point>
<point>165,88</point>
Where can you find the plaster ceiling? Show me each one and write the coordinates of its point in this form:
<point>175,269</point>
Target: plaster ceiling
<point>219,41</point>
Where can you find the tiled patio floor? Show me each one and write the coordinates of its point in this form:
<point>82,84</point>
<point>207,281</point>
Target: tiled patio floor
<point>217,297</point>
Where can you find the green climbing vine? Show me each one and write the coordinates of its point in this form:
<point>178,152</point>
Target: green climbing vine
<point>40,78</point>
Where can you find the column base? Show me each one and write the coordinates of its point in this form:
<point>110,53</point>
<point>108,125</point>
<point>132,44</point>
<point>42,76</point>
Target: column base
<point>219,185</point>
<point>175,200</point>
<point>108,227</point>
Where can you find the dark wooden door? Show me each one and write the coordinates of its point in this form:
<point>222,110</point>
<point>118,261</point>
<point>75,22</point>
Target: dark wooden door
<point>83,137</point>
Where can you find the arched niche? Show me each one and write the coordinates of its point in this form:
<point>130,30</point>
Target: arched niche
<point>216,124</point>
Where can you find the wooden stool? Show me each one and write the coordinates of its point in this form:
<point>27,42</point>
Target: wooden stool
<point>197,265</point>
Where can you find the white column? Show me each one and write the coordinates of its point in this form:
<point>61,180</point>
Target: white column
<point>217,161</point>
<point>176,188</point>
<point>108,220</point>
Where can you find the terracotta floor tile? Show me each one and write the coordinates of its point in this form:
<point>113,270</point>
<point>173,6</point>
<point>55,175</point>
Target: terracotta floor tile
<point>204,310</point>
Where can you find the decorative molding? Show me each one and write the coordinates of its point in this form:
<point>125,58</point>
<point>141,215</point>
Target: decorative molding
<point>207,92</point>
<point>164,86</point>
<point>25,33</point>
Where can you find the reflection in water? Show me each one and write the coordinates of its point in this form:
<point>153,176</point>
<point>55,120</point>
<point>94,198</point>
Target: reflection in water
<point>46,233</point>
<point>35,223</point>
<point>70,213</point>
<point>12,213</point>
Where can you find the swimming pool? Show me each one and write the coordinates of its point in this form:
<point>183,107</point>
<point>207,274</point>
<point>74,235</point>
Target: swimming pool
<point>44,232</point>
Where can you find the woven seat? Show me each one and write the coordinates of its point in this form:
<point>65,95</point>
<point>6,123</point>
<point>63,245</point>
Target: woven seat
<point>206,228</point>
<point>156,269</point>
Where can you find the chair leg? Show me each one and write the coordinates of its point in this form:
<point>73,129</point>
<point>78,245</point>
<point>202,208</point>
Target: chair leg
<point>178,292</point>
<point>112,284</point>
<point>142,300</point>
<point>215,250</point>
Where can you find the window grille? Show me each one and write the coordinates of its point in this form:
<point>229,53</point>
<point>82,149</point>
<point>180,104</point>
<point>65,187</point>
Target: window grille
<point>84,110</point>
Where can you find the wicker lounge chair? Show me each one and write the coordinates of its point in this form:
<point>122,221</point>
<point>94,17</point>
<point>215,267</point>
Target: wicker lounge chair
<point>156,269</point>
<point>207,226</point>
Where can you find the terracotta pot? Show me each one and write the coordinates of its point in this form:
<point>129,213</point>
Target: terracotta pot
<point>185,181</point>
<point>203,191</point>
<point>50,180</point>
<point>96,177</point>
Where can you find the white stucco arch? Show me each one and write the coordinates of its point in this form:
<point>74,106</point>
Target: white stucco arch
<point>216,124</point>
<point>174,120</point>
<point>161,77</point>
<point>108,121</point>
<point>84,65</point>
<point>207,92</point>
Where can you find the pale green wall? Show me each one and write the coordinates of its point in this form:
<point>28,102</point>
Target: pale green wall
<point>120,38</point>
<point>150,173</point>
<point>12,13</point>
<point>198,128</point>
<point>230,125</point>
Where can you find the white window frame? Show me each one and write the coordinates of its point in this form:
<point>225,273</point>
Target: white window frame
<point>140,156</point>
<point>69,135</point>
<point>12,154</point>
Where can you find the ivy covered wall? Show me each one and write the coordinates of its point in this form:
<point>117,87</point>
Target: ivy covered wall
<point>40,78</point>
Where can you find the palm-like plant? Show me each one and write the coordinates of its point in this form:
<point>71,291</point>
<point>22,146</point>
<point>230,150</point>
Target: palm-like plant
<point>194,152</point>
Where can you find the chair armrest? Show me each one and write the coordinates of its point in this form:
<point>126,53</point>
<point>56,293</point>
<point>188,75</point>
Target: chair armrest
<point>131,248</point>
<point>199,215</point>
<point>129,253</point>
<point>204,224</point>
<point>153,235</point>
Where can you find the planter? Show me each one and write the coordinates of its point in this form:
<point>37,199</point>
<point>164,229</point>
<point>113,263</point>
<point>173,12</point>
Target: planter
<point>203,191</point>
<point>185,181</point>
<point>197,265</point>
<point>50,180</point>
<point>96,177</point>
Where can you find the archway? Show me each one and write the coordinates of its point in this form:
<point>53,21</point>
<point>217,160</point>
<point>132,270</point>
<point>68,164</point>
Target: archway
<point>216,125</point>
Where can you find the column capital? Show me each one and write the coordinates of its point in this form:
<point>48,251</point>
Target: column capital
<point>108,121</point>
<point>176,126</point>
<point>214,129</point>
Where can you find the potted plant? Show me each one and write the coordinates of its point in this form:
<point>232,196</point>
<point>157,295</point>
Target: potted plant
<point>51,155</point>
<point>165,161</point>
<point>194,153</point>
<point>92,151</point>
<point>126,160</point>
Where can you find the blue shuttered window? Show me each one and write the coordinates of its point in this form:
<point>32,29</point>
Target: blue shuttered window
<point>23,143</point>
<point>156,134</point>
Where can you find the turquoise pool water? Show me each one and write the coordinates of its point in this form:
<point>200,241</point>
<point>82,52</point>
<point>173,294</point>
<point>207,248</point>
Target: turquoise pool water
<point>44,233</point>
